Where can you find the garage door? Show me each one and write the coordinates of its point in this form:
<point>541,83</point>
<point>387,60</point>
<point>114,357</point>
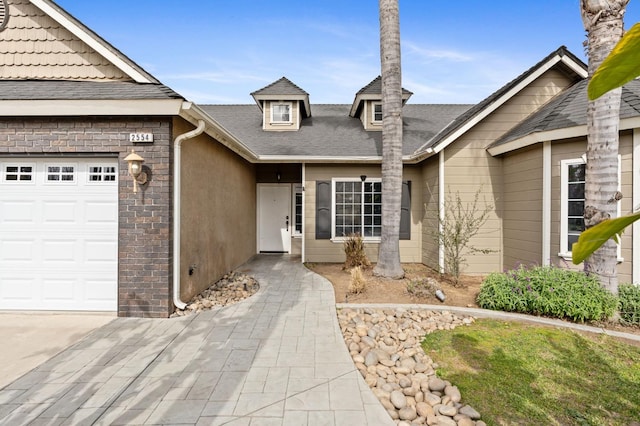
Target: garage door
<point>58,234</point>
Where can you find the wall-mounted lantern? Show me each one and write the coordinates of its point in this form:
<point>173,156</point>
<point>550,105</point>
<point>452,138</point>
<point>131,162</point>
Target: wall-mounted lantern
<point>135,170</point>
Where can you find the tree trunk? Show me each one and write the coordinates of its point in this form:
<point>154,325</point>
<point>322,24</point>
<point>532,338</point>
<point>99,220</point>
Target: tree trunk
<point>389,251</point>
<point>604,25</point>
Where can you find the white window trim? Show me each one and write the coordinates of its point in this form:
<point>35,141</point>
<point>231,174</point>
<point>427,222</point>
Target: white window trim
<point>341,239</point>
<point>45,176</point>
<point>101,182</point>
<point>373,112</point>
<point>564,204</point>
<point>19,182</point>
<point>279,122</point>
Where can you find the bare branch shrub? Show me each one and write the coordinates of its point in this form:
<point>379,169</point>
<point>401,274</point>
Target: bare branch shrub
<point>354,251</point>
<point>358,282</point>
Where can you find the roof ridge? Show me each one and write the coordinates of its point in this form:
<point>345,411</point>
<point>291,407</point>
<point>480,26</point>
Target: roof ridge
<point>282,79</point>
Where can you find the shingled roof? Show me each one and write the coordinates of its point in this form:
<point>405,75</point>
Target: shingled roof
<point>82,90</point>
<point>331,133</point>
<point>565,60</point>
<point>569,109</point>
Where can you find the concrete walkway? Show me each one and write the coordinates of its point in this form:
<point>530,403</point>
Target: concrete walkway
<point>277,358</point>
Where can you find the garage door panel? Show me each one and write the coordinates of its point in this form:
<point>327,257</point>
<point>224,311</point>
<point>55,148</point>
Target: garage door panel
<point>58,234</point>
<point>18,251</point>
<point>15,212</point>
<point>59,213</point>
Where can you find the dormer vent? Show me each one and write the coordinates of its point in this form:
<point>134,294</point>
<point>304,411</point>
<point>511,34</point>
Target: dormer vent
<point>283,104</point>
<point>4,14</point>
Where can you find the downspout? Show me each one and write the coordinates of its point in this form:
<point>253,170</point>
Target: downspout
<point>441,210</point>
<point>176,209</point>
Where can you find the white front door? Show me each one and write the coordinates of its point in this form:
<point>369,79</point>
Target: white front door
<point>274,218</point>
<point>59,234</point>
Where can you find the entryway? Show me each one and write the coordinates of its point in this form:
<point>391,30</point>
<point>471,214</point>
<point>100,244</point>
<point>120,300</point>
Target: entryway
<point>274,218</point>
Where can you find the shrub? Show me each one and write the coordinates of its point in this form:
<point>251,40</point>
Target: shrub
<point>548,291</point>
<point>354,251</point>
<point>629,305</point>
<point>357,284</point>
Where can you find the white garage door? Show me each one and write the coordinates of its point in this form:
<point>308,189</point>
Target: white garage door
<point>58,234</point>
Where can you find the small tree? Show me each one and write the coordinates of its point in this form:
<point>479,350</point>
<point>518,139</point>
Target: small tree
<point>458,223</point>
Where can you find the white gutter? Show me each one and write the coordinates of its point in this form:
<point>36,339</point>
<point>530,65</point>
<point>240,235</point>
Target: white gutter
<point>304,203</point>
<point>546,203</point>
<point>176,209</point>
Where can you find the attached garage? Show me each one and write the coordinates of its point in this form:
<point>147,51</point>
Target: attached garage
<point>59,233</point>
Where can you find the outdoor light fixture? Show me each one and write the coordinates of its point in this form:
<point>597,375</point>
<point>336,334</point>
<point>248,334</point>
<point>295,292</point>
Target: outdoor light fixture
<point>363,177</point>
<point>135,170</point>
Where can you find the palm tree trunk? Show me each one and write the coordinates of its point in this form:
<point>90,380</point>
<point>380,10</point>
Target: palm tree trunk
<point>389,252</point>
<point>604,25</point>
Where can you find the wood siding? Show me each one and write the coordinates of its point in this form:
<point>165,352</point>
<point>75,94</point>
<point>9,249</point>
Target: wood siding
<point>430,247</point>
<point>522,217</point>
<point>469,167</point>
<point>34,46</point>
<point>572,149</point>
<point>332,251</point>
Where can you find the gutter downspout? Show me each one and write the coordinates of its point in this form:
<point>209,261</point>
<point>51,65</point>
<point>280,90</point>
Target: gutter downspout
<point>176,209</point>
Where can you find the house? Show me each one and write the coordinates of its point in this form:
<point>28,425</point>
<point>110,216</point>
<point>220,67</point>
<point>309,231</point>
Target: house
<point>81,230</point>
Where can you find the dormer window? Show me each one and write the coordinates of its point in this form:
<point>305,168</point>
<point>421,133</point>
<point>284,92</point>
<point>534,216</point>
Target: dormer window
<point>281,112</point>
<point>377,113</point>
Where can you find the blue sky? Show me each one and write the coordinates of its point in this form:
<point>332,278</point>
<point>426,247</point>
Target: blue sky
<point>219,51</point>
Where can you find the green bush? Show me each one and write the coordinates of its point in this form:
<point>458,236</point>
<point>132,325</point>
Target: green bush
<point>548,291</point>
<point>629,306</point>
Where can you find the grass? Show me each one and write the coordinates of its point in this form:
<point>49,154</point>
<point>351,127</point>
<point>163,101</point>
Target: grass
<point>518,374</point>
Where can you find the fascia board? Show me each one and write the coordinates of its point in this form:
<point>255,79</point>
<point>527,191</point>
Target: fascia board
<point>557,134</point>
<point>82,108</point>
<point>89,39</point>
<point>481,115</point>
<point>319,159</point>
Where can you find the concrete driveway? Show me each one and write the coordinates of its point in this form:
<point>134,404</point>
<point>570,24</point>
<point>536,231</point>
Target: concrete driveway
<point>31,338</point>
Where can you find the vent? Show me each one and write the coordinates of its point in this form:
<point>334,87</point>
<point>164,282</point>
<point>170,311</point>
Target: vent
<point>4,14</point>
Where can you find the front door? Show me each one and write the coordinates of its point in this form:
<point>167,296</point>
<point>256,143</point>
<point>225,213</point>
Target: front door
<point>274,218</point>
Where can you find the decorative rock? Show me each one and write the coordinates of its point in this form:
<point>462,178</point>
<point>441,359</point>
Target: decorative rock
<point>436,384</point>
<point>385,348</point>
<point>407,413</point>
<point>453,392</point>
<point>469,412</point>
<point>398,399</point>
<point>447,410</point>
<point>424,410</point>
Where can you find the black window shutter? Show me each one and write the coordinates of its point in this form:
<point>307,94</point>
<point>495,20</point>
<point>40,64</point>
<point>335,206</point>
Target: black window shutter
<point>405,211</point>
<point>323,210</point>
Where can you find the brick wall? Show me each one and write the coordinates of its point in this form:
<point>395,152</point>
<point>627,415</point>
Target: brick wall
<point>145,231</point>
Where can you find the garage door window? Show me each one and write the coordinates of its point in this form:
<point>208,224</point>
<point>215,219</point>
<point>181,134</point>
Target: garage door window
<point>13,173</point>
<point>102,174</point>
<point>61,174</point>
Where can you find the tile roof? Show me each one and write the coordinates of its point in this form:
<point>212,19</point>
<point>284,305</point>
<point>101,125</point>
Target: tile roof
<point>569,109</point>
<point>330,132</point>
<point>92,90</point>
<point>472,112</point>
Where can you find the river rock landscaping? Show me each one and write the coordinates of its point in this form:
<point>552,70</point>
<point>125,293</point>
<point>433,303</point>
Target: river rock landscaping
<point>385,347</point>
<point>232,288</point>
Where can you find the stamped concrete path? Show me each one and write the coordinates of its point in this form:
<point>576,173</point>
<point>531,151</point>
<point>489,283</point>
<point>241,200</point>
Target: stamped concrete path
<point>277,358</point>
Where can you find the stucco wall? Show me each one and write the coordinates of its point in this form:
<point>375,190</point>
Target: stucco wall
<point>218,220</point>
<point>332,251</point>
<point>145,239</point>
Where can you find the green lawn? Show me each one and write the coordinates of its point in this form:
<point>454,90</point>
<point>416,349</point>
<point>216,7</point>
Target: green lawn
<point>520,374</point>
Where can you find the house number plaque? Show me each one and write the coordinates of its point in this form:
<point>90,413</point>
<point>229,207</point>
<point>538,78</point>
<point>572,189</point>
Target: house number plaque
<point>140,137</point>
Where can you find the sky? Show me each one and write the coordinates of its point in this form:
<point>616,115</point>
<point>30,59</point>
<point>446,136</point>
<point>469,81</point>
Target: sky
<point>219,51</point>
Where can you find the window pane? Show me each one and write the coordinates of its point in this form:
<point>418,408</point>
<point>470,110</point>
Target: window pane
<point>576,208</point>
<point>570,240</point>
<point>576,191</point>
<point>575,224</point>
<point>576,172</point>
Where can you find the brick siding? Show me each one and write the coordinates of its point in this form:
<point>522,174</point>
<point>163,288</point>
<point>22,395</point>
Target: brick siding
<point>145,218</point>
